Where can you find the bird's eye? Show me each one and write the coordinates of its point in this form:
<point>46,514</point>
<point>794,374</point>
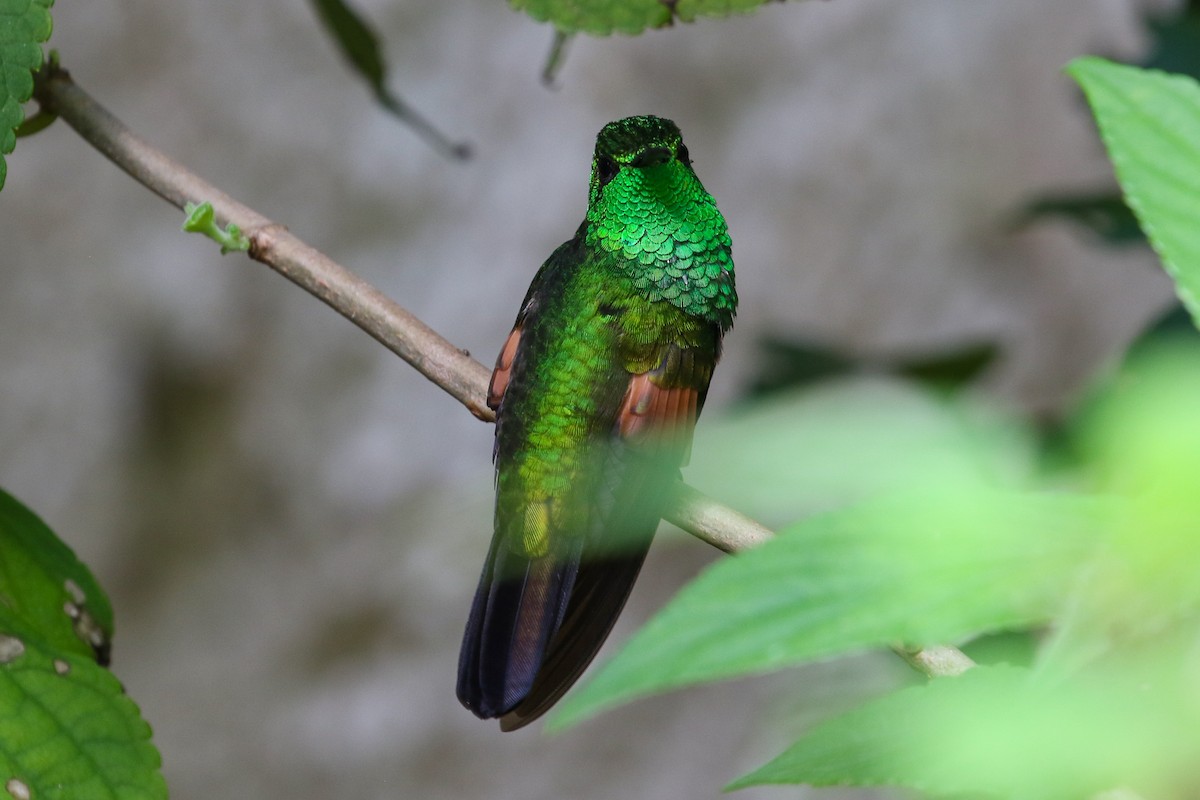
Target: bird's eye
<point>682,154</point>
<point>606,169</point>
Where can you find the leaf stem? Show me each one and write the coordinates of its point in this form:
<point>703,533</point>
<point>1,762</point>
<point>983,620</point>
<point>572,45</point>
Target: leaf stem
<point>451,368</point>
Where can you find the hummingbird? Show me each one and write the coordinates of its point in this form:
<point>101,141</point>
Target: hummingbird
<point>596,393</point>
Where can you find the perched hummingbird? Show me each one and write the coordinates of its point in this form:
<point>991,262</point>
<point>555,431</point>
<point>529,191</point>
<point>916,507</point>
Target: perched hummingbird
<point>596,392</point>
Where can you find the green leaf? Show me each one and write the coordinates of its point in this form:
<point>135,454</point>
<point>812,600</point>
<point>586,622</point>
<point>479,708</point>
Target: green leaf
<point>844,440</point>
<point>998,731</point>
<point>357,40</point>
<point>24,26</point>
<point>793,364</point>
<point>360,45</point>
<point>67,730</point>
<point>45,585</point>
<point>603,17</point>
<point>1150,122</point>
<point>1141,441</point>
<point>922,568</point>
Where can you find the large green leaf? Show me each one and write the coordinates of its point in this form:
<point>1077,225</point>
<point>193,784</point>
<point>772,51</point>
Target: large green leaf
<point>602,17</point>
<point>67,730</point>
<point>834,444</point>
<point>1150,122</point>
<point>920,568</point>
<point>997,731</point>
<point>24,26</point>
<point>1141,440</point>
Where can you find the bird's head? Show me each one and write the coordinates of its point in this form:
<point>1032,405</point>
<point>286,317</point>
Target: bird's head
<point>640,159</point>
<point>647,207</point>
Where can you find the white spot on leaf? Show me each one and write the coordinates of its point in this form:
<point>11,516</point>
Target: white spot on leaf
<point>76,593</point>
<point>18,789</point>
<point>11,648</point>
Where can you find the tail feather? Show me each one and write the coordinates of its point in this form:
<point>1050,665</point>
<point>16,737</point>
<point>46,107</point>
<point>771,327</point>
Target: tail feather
<point>537,623</point>
<point>519,605</point>
<point>600,591</point>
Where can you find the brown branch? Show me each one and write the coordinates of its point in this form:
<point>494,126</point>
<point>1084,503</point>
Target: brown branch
<point>387,322</point>
<point>939,660</point>
<point>271,243</point>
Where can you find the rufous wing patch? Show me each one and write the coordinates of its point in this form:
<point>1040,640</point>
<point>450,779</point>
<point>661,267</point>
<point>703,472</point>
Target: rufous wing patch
<point>503,369</point>
<point>652,411</point>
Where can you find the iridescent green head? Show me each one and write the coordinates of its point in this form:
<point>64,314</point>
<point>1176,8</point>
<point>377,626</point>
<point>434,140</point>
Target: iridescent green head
<point>647,206</point>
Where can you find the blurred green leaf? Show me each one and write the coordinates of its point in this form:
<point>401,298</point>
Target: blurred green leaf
<point>1012,648</point>
<point>1176,41</point>
<point>360,45</point>
<point>1140,441</point>
<point>794,364</point>
<point>834,444</point>
<point>1150,122</point>
<point>24,26</point>
<point>1174,323</point>
<point>67,730</point>
<point>357,40</point>
<point>996,731</point>
<point>923,568</point>
<point>1104,214</point>
<point>603,17</point>
<point>949,370</point>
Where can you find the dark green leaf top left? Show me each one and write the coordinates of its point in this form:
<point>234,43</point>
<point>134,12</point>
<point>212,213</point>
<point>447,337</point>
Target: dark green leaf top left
<point>24,26</point>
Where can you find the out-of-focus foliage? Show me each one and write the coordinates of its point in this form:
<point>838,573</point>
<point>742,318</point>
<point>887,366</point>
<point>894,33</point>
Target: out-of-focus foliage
<point>1103,213</point>
<point>919,568</point>
<point>1002,732</point>
<point>792,364</point>
<point>963,539</point>
<point>360,45</point>
<point>1109,555</point>
<point>797,453</point>
<point>1176,41</point>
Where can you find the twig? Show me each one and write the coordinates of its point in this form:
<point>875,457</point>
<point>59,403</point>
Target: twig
<point>271,243</point>
<point>387,322</point>
<point>940,660</point>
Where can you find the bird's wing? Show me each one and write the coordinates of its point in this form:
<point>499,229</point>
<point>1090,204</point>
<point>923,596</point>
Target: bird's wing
<point>653,430</point>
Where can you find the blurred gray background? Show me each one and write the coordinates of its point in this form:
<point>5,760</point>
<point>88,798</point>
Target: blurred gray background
<point>290,521</point>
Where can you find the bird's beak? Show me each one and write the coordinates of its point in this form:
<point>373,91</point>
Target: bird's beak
<point>653,157</point>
